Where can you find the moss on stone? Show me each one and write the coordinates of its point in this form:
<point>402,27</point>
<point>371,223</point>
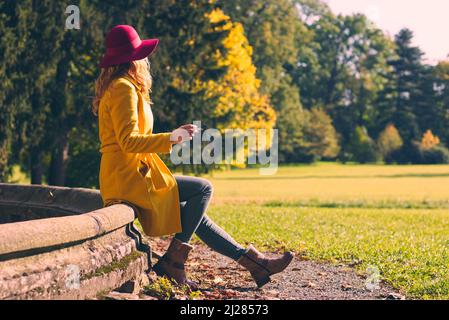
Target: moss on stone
<point>121,264</point>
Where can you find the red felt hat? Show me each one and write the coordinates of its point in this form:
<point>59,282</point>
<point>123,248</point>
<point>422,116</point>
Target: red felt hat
<point>123,44</point>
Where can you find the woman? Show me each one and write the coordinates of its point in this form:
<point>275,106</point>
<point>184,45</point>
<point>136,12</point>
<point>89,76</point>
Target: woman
<point>132,172</point>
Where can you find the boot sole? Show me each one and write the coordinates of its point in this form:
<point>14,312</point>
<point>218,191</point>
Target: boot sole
<point>260,282</point>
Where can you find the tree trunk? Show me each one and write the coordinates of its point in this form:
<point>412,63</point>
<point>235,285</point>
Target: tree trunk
<point>58,165</point>
<point>36,165</point>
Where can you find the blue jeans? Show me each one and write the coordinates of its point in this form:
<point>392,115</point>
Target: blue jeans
<point>195,194</point>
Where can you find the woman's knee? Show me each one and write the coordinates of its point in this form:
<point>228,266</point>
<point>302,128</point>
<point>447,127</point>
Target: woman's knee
<point>201,185</point>
<point>207,186</point>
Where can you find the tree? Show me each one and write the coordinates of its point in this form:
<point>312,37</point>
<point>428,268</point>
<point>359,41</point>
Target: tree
<point>429,112</point>
<point>438,119</point>
<point>109,13</point>
<point>278,36</point>
<point>276,33</point>
<point>290,123</point>
<point>320,136</point>
<point>389,141</point>
<point>71,91</point>
<point>44,23</point>
<point>185,58</point>
<point>397,103</point>
<point>12,30</point>
<point>362,148</point>
<point>426,151</point>
<point>308,136</point>
<point>347,70</point>
<point>429,141</point>
<point>239,104</point>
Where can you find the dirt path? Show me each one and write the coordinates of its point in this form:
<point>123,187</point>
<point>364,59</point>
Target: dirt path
<point>222,278</point>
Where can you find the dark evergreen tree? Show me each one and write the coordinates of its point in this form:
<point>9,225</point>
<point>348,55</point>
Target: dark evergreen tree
<point>441,91</point>
<point>427,109</point>
<point>399,101</point>
<point>12,32</point>
<point>44,23</point>
<point>71,90</point>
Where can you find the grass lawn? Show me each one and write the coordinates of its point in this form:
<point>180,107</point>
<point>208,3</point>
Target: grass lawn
<point>393,218</point>
<point>325,183</point>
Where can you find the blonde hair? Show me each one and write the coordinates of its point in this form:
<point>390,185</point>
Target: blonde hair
<point>138,70</point>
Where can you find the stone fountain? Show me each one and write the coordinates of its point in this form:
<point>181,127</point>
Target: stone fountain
<point>61,243</point>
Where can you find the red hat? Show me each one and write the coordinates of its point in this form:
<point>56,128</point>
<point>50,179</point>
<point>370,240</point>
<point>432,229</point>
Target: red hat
<point>123,44</point>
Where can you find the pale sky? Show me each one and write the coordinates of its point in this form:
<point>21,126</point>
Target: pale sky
<point>428,19</point>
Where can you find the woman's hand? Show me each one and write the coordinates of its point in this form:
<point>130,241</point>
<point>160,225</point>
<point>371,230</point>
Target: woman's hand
<point>183,133</point>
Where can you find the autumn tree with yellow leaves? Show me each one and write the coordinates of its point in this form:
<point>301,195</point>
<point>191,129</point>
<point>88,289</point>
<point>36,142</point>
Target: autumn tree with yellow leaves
<point>240,103</point>
<point>389,140</point>
<point>429,140</point>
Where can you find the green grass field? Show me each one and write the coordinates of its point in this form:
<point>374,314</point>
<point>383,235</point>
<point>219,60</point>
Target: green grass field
<point>395,218</point>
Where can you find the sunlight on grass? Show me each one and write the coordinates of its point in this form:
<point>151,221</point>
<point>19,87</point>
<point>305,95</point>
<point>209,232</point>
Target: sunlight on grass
<point>391,217</point>
<point>326,182</point>
<point>410,247</point>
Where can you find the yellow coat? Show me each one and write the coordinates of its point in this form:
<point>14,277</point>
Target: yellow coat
<point>129,149</point>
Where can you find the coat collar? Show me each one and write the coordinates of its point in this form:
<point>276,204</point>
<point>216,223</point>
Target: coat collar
<point>130,79</point>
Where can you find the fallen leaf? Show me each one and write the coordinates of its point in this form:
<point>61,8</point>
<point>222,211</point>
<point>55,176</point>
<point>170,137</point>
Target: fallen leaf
<point>194,264</point>
<point>218,280</point>
<point>229,293</point>
<point>346,287</point>
<point>272,292</point>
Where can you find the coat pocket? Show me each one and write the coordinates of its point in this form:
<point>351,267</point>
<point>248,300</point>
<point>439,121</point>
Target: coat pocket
<point>145,172</point>
<point>143,168</point>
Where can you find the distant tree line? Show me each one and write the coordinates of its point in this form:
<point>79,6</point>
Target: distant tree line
<point>379,94</point>
<point>336,87</point>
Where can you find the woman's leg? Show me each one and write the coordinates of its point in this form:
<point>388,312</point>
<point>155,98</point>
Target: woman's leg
<point>196,194</point>
<point>218,239</point>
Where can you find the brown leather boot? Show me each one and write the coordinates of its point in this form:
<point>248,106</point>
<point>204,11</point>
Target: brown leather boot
<point>171,264</point>
<point>261,267</point>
